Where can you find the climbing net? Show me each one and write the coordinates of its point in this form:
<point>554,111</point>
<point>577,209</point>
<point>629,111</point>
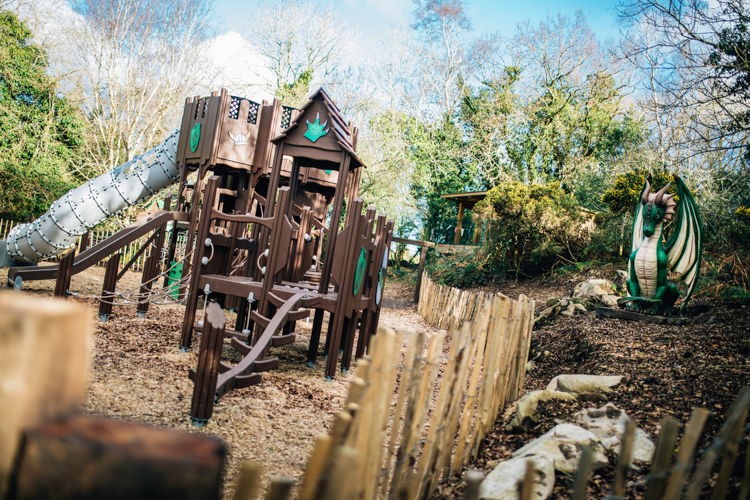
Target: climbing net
<point>141,294</point>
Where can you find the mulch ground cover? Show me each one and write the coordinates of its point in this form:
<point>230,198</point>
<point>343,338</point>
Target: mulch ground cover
<point>667,370</point>
<point>139,374</point>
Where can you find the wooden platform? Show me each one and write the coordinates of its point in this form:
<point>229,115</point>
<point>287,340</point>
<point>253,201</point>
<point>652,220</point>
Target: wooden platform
<point>608,312</point>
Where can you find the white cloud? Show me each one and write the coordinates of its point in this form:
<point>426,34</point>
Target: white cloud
<point>238,67</point>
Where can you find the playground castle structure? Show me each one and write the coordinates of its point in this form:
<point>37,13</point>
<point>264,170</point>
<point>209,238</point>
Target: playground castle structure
<point>256,183</point>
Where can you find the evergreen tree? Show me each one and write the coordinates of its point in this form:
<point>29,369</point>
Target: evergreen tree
<point>41,135</point>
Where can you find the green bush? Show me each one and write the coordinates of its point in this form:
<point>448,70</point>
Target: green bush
<point>740,225</point>
<point>622,198</point>
<point>462,270</point>
<point>530,227</point>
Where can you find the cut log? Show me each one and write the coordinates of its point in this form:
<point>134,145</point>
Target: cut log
<point>86,458</point>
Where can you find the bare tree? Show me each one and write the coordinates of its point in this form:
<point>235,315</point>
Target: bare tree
<point>695,65</point>
<point>131,64</point>
<point>442,27</point>
<point>302,43</point>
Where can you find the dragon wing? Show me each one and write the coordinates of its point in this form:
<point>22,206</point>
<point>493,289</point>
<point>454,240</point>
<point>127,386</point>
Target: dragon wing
<point>638,224</point>
<point>684,246</point>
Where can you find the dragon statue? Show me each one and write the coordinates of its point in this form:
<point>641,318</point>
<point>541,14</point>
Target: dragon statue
<point>651,257</point>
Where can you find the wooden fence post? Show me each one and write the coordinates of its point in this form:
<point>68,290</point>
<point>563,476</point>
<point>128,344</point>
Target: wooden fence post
<point>150,271</point>
<point>44,359</point>
<point>207,373</point>
<point>64,274</point>
<point>85,242</point>
<point>420,273</point>
<point>109,287</point>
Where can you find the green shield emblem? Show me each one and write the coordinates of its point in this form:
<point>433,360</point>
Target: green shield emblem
<point>195,137</point>
<point>360,274</point>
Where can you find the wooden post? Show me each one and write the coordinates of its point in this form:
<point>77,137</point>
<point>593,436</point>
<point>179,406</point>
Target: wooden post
<point>459,224</point>
<point>685,456</point>
<point>150,271</point>
<point>44,359</point>
<point>64,274</point>
<point>474,479</point>
<point>207,373</point>
<point>109,287</point>
<point>191,301</point>
<point>585,466</point>
<point>85,242</point>
<point>420,273</point>
<point>623,461</point>
<point>249,483</point>
<point>662,460</point>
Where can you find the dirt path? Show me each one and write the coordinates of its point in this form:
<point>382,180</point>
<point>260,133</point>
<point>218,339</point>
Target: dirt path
<point>139,374</point>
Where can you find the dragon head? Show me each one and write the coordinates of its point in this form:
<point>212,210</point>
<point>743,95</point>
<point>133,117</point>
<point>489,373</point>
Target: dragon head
<point>657,207</point>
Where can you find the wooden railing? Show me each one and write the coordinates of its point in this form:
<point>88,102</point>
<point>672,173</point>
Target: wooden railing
<point>102,234</point>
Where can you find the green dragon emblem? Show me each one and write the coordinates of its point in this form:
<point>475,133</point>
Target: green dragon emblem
<point>195,137</point>
<point>315,130</point>
<point>652,257</point>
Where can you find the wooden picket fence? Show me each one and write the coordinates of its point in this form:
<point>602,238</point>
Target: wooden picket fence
<point>5,226</point>
<point>410,422</point>
<point>100,235</point>
<point>442,306</point>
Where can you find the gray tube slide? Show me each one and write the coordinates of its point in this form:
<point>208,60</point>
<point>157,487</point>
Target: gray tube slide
<point>86,206</point>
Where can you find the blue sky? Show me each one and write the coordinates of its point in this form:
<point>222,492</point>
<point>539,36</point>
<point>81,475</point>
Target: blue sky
<point>369,17</point>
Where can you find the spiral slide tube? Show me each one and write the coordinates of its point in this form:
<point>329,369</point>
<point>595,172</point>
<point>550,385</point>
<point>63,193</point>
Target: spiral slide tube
<point>86,206</point>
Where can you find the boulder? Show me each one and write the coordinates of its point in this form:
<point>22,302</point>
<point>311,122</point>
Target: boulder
<point>526,410</point>
<point>569,310</point>
<point>608,424</point>
<point>584,385</point>
<point>562,444</point>
<point>609,300</point>
<point>595,290</point>
<point>503,483</point>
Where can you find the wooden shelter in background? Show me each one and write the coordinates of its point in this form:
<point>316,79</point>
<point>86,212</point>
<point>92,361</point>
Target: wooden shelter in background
<point>465,201</point>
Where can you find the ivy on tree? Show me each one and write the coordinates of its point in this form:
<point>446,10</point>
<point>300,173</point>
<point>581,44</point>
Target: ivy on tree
<point>41,136</point>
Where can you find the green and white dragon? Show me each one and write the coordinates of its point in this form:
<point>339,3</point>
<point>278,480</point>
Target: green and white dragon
<point>648,287</point>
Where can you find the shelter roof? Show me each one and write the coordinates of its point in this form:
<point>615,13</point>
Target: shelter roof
<point>468,199</point>
<point>343,131</point>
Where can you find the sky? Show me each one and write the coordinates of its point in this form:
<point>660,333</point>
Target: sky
<point>370,17</point>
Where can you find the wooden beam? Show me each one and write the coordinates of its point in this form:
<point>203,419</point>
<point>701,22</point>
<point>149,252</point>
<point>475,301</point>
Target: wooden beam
<point>418,243</point>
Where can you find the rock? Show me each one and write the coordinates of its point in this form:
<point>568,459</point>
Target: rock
<point>621,281</point>
<point>584,384</point>
<point>594,290</point>
<point>530,366</point>
<point>504,480</point>
<point>609,300</point>
<point>526,411</point>
<point>608,424</point>
<point>550,311</point>
<point>546,353</point>
<point>580,308</point>
<point>562,444</point>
